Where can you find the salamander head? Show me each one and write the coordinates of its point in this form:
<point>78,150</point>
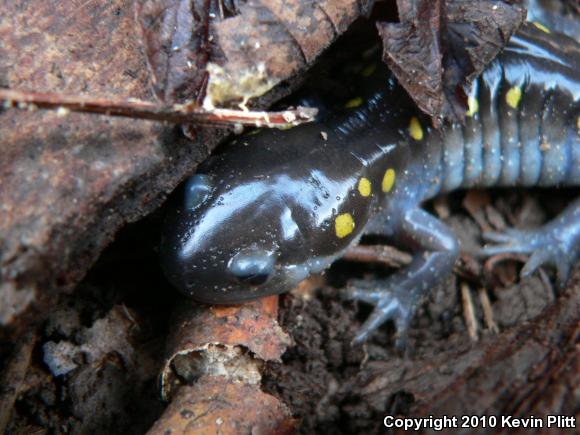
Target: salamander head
<point>230,243</point>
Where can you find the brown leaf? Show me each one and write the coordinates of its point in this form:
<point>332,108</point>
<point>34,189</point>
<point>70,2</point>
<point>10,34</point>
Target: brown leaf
<point>271,41</point>
<point>187,40</point>
<point>439,47</point>
<point>475,35</point>
<point>475,202</point>
<point>412,50</point>
<point>177,44</point>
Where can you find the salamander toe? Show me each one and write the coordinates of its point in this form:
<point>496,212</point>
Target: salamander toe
<point>392,302</point>
<point>546,246</point>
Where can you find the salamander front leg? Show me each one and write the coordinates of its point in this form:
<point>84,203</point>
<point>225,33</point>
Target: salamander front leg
<point>557,243</point>
<point>396,298</point>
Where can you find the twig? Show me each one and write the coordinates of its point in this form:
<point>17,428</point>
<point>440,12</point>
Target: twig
<point>139,109</point>
<point>469,312</point>
<point>385,254</point>
<point>487,311</point>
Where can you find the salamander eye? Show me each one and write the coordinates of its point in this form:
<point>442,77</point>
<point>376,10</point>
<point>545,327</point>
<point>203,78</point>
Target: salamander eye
<point>252,267</point>
<point>197,190</point>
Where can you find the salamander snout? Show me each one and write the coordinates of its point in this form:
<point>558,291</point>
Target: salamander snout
<point>252,266</point>
<point>222,244</point>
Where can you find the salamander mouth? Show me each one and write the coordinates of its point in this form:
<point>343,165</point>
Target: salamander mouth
<point>243,289</point>
<point>235,293</point>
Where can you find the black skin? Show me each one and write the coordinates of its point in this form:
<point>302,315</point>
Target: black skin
<point>276,206</point>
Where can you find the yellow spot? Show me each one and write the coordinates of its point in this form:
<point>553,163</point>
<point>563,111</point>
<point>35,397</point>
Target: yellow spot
<point>369,70</point>
<point>388,180</point>
<point>343,225</point>
<point>364,186</point>
<point>513,96</point>
<point>541,27</point>
<point>415,129</point>
<point>578,123</point>
<point>355,102</point>
<point>473,106</point>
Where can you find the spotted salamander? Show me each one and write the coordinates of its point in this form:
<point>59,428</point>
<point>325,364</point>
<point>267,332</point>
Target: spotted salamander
<point>264,214</point>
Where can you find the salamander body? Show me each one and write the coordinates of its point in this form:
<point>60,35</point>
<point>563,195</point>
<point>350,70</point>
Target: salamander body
<point>264,214</point>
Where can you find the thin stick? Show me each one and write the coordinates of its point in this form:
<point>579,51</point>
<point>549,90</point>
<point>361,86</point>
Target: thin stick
<point>139,109</point>
<point>487,311</point>
<point>469,312</point>
<point>385,254</point>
